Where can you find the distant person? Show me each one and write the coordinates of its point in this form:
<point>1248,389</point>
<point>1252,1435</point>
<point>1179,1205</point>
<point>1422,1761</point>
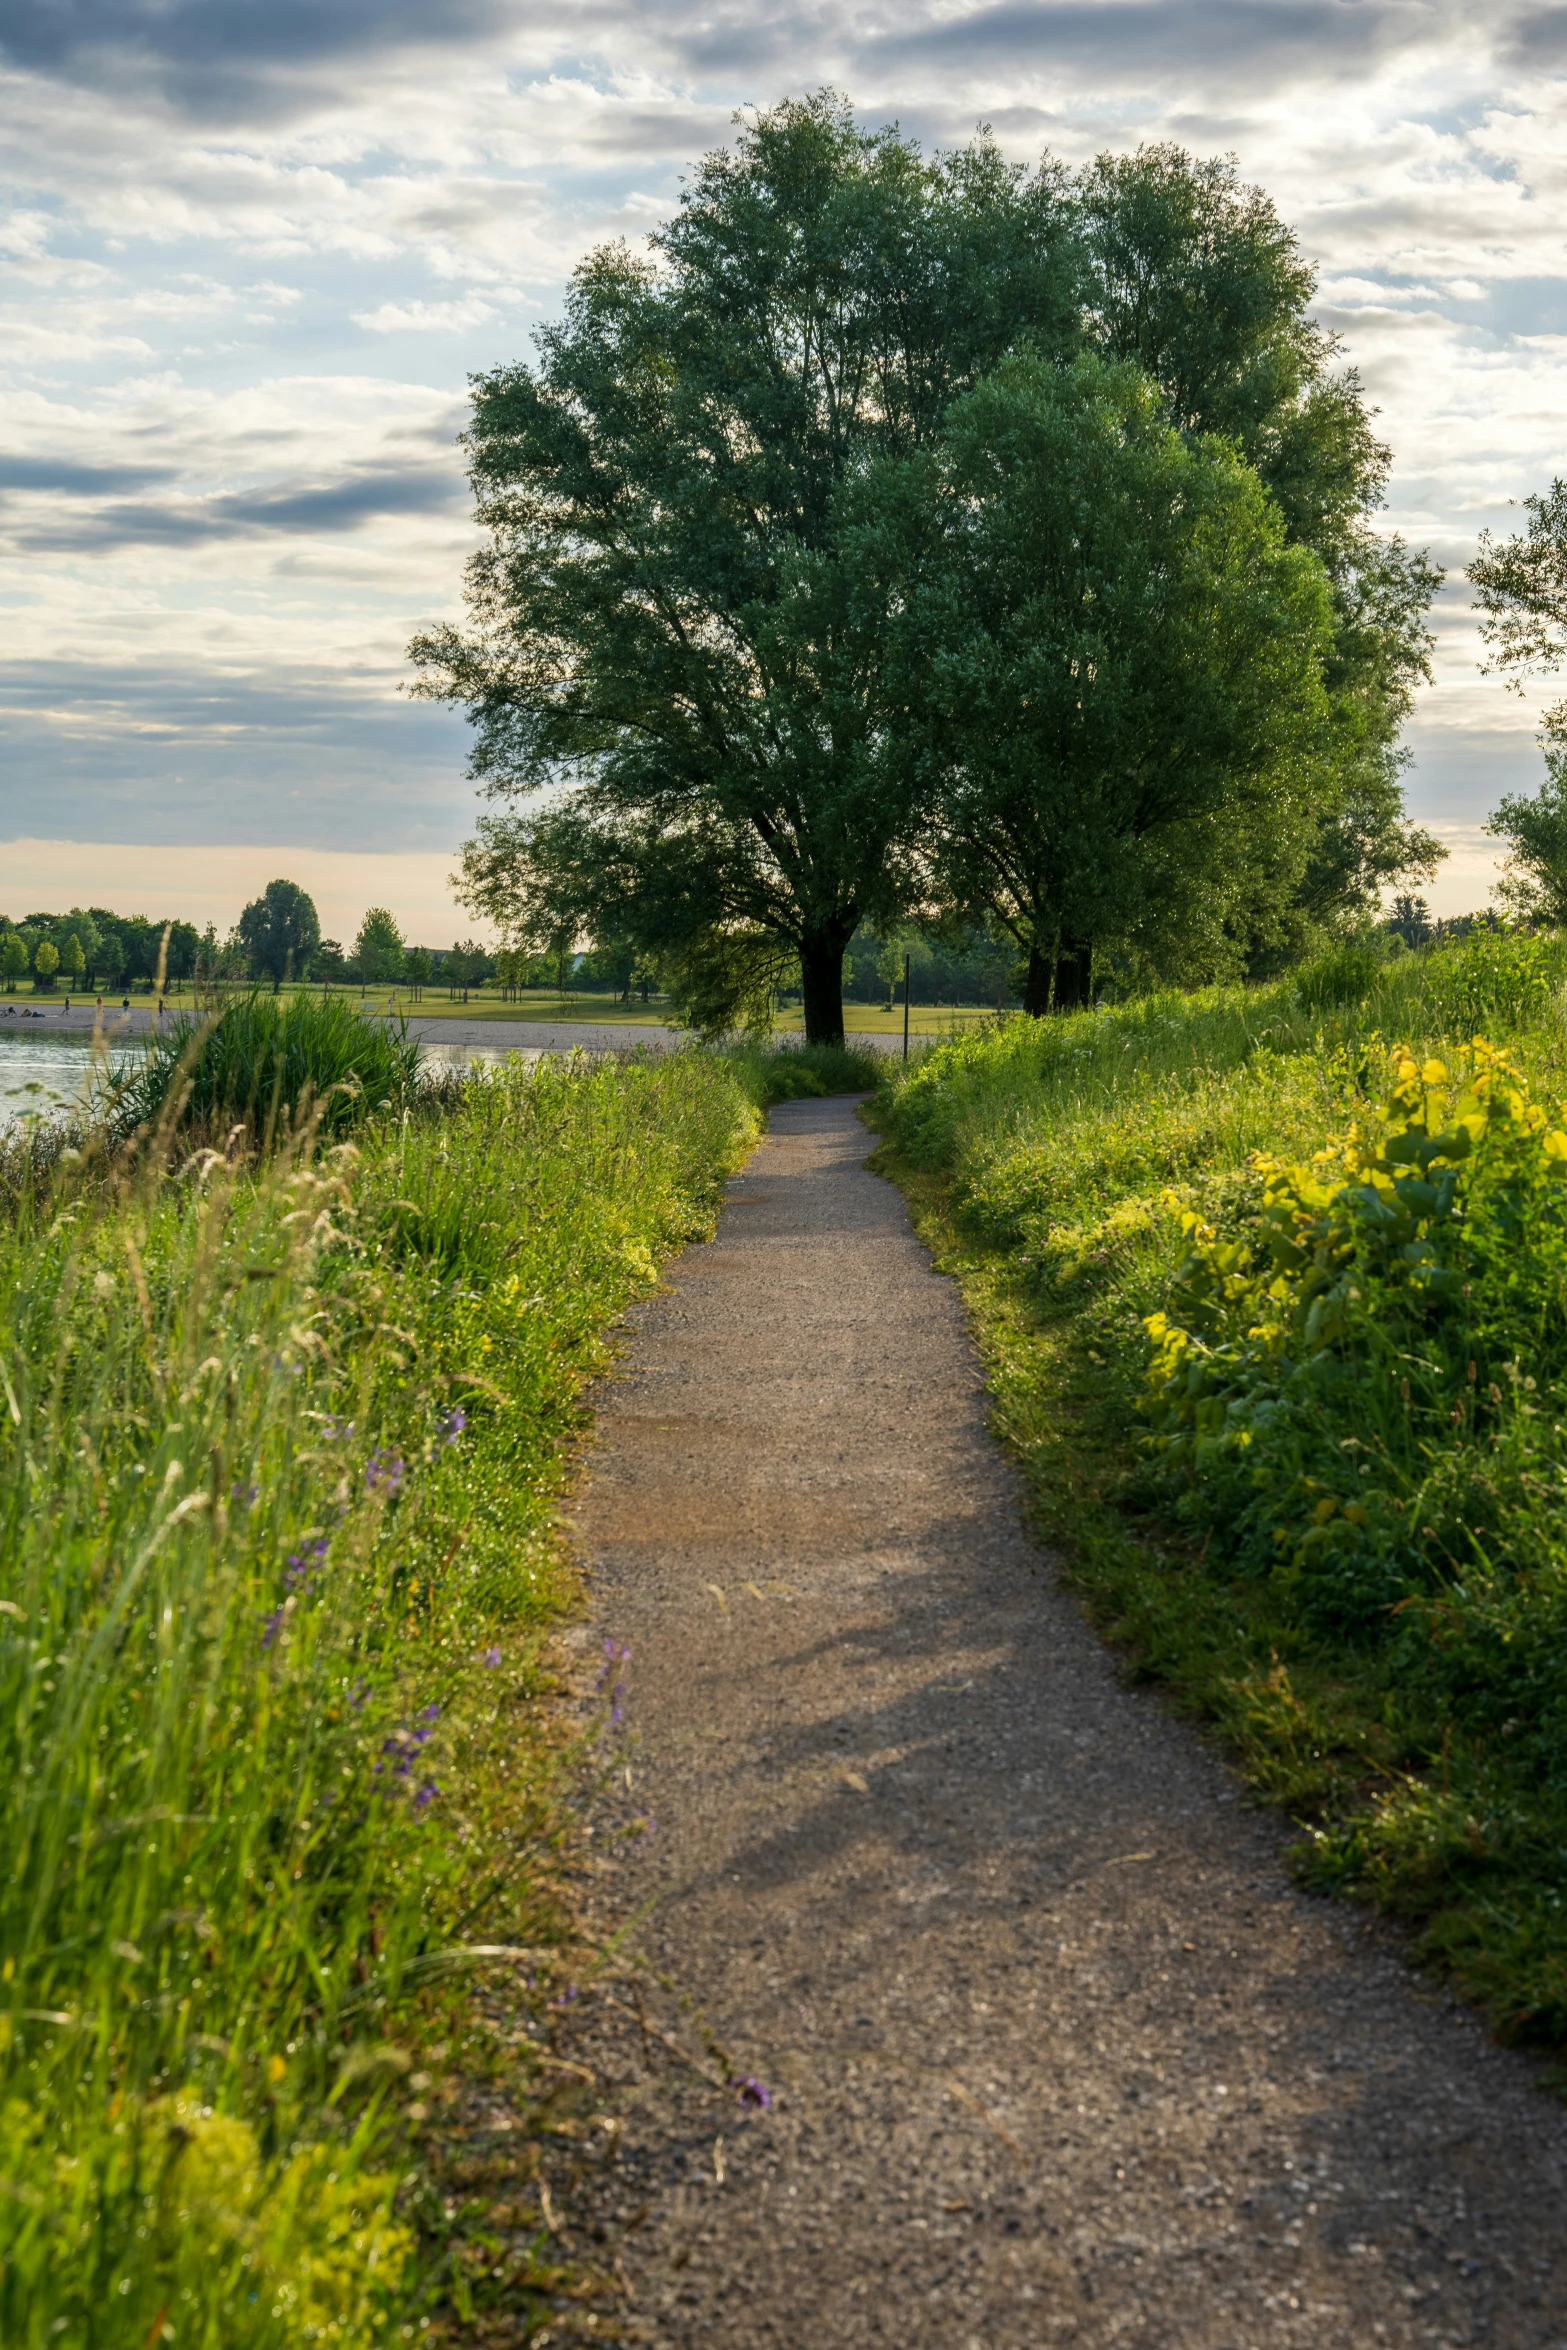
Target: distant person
<point>126,1004</point>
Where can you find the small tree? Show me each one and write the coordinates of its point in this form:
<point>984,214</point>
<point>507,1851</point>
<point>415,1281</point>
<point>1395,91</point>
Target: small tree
<point>13,959</point>
<point>1410,920</point>
<point>46,962</point>
<point>416,966</point>
<point>378,950</point>
<point>281,932</point>
<point>74,960</point>
<point>330,964</point>
<point>1533,882</point>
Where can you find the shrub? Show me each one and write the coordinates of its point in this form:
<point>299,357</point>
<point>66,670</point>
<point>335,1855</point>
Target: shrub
<point>269,1062</point>
<point>800,1072</point>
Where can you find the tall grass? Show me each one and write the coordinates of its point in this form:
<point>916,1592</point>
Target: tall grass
<point>803,1072</point>
<point>279,1449</point>
<point>265,1062</point>
<point>1282,1347</point>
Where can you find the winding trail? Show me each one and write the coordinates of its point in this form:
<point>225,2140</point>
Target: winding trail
<point>1059,2054</point>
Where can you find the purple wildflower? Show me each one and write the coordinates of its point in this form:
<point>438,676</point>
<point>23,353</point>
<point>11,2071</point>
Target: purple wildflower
<point>384,1472</point>
<point>300,1571</point>
<point>752,2092</point>
<point>491,1656</point>
<point>245,1497</point>
<point>426,1795</point>
<point>453,1425</point>
<point>615,1653</point>
<point>272,1626</point>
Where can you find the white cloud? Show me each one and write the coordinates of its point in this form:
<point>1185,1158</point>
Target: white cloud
<point>226,466</point>
<point>395,318</point>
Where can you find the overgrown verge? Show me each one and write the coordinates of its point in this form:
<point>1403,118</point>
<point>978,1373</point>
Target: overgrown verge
<point>1272,1288</point>
<point>803,1072</point>
<point>280,1446</point>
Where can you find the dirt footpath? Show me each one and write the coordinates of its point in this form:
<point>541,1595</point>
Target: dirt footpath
<point>1055,2052</point>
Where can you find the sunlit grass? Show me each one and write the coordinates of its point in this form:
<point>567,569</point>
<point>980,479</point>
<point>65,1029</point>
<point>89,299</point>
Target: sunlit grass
<point>1411,1710</point>
<point>280,1445</point>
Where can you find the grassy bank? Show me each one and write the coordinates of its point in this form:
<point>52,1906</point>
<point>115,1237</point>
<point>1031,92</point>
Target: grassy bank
<point>280,1448</point>
<point>1272,1288</point>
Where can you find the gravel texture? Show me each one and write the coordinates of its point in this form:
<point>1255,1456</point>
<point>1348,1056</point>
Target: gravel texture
<point>1056,2052</point>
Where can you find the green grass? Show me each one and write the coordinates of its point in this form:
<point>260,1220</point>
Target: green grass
<point>1318,1498</point>
<point>267,1063</point>
<point>788,1073</point>
<point>281,1444</point>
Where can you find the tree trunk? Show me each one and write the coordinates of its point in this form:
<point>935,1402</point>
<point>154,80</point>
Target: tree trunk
<point>1036,986</point>
<point>821,971</point>
<point>1074,974</point>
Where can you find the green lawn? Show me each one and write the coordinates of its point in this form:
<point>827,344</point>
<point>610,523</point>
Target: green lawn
<point>545,1005</point>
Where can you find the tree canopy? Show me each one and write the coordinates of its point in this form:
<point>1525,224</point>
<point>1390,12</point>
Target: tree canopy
<point>1121,659</point>
<point>680,610</point>
<point>280,931</point>
<point>712,519</point>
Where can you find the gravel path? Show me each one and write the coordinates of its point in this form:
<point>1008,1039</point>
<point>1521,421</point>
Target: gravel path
<point>1057,2053</point>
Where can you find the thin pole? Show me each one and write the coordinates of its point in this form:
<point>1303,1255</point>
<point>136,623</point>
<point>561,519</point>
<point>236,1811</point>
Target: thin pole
<point>905,1007</point>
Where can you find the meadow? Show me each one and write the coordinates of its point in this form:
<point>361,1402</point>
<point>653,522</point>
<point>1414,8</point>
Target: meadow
<point>287,1403</point>
<point>1271,1285</point>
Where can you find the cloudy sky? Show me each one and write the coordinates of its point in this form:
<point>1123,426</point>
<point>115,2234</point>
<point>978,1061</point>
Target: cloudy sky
<point>253,248</point>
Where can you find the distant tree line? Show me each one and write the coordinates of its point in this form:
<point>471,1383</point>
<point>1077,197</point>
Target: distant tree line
<point>276,940</point>
<point>93,948</point>
<point>927,545</point>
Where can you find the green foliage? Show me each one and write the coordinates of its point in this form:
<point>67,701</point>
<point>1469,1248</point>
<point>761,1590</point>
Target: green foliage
<point>46,961</point>
<point>279,1456</point>
<point>684,602</point>
<point>1195,279</point>
<point>1533,885</point>
<point>801,1072</point>
<point>1120,765</point>
<point>1341,1538</point>
<point>14,959</point>
<point>270,1063</point>
<point>1522,587</point>
<point>1343,974</point>
<point>280,932</point>
<point>378,950</point>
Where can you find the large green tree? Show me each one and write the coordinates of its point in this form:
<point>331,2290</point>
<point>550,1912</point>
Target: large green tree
<point>1119,657</point>
<point>681,616</point>
<point>1192,275</point>
<point>280,931</point>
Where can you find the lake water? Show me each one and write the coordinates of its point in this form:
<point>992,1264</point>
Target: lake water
<point>41,1075</point>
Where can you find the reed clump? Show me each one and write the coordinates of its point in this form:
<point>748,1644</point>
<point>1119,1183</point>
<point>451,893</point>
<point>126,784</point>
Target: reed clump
<point>267,1063</point>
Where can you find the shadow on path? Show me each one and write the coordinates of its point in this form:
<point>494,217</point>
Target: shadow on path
<point>1057,2052</point>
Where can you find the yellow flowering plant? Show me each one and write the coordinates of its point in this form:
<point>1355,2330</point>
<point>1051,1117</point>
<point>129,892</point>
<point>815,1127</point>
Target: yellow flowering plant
<point>1293,1377</point>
